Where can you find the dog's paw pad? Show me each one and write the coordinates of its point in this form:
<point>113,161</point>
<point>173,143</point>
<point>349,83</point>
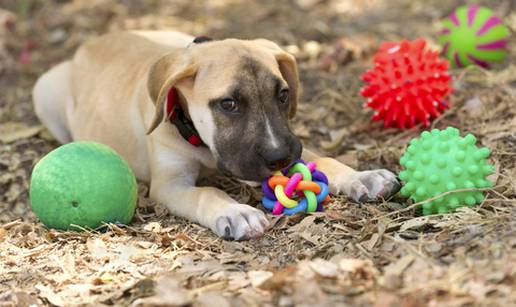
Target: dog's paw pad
<point>373,185</point>
<point>241,222</point>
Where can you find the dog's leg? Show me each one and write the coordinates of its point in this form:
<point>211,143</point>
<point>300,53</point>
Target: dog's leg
<point>173,184</point>
<point>359,185</point>
<point>52,95</point>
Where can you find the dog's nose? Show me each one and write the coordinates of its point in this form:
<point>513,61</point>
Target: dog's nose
<point>277,159</point>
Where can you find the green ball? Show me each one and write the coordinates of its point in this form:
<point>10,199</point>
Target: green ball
<point>441,161</point>
<point>83,184</point>
<point>473,35</point>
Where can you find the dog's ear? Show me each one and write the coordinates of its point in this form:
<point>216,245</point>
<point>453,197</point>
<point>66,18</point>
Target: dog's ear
<point>288,68</point>
<point>163,75</point>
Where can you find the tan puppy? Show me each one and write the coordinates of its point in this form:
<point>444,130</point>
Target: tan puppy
<point>239,95</point>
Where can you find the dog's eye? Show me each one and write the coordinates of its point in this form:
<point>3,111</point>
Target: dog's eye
<point>283,96</point>
<point>229,105</point>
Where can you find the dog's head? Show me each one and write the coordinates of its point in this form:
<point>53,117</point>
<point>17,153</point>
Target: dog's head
<point>240,96</point>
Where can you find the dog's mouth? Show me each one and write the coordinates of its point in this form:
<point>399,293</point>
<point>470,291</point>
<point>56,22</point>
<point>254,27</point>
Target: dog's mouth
<point>255,163</point>
<point>254,172</point>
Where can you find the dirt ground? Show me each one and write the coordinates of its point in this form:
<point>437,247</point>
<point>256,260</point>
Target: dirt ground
<point>378,254</point>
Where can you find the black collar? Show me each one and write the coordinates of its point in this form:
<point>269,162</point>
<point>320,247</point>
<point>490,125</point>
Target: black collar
<point>177,117</point>
<point>176,114</point>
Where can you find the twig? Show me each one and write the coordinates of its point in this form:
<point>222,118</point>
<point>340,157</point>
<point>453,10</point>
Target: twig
<point>415,205</point>
<point>500,194</point>
<point>512,201</point>
<point>38,250</point>
<point>209,287</point>
<point>442,116</point>
<point>412,249</point>
<point>363,250</point>
<point>403,134</point>
<point>471,68</point>
<point>9,225</point>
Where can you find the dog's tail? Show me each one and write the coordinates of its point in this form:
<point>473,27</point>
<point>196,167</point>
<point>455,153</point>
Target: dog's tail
<point>52,98</point>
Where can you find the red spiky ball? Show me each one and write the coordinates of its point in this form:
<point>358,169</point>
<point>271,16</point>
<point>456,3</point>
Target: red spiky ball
<point>408,84</point>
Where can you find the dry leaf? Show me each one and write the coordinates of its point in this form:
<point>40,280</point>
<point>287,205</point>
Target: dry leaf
<point>386,299</point>
<point>399,266</point>
<point>212,299</point>
<point>334,215</point>
<point>169,292</point>
<point>68,263</point>
<point>304,224</point>
<point>257,278</point>
<point>3,232</point>
<point>97,248</point>
<point>309,237</point>
<point>279,279</point>
<point>18,298</point>
<point>324,268</point>
<point>153,226</point>
<point>47,293</point>
<point>354,265</point>
<point>370,244</point>
<point>145,244</point>
<point>10,132</point>
<point>415,223</point>
<point>237,281</point>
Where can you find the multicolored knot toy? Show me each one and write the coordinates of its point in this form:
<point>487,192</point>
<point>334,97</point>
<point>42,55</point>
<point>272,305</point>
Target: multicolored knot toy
<point>300,188</point>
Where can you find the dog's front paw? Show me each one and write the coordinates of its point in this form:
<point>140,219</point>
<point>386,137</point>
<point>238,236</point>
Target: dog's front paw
<point>371,185</point>
<point>240,222</point>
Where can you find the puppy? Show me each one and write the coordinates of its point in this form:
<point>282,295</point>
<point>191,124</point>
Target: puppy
<point>170,104</point>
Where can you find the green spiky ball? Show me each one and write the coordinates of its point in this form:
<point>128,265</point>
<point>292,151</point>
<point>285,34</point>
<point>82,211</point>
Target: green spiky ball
<point>441,161</point>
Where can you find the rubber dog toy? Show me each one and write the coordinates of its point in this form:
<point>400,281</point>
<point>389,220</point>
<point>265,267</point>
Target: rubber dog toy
<point>473,35</point>
<point>408,84</point>
<point>300,188</point>
<point>83,184</point>
<point>442,161</point>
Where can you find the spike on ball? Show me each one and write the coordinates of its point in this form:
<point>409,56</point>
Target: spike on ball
<point>408,85</point>
<point>462,166</point>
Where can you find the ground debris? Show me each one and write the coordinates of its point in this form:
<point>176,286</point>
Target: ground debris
<point>378,254</point>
